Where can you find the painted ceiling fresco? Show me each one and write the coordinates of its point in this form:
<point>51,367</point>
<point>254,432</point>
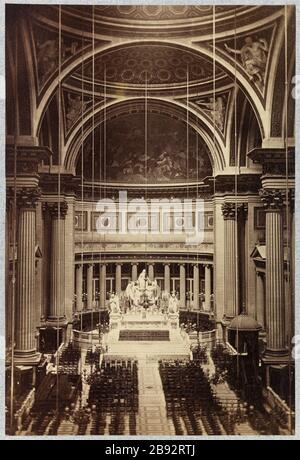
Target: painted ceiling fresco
<point>127,158</point>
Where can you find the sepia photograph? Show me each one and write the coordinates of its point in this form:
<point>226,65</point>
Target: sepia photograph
<point>150,220</point>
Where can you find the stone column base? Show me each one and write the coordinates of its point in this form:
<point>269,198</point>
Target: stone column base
<point>276,357</point>
<point>27,358</point>
<point>279,359</point>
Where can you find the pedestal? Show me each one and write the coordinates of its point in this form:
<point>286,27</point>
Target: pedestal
<point>174,320</point>
<point>114,320</point>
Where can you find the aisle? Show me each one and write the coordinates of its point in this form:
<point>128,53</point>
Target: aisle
<point>152,416</point>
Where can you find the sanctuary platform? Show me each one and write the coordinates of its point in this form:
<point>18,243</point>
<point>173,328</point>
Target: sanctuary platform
<point>145,335</point>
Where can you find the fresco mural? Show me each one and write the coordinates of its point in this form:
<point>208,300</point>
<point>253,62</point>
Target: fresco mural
<point>127,160</point>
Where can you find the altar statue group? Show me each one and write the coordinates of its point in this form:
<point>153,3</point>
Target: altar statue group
<point>144,294</point>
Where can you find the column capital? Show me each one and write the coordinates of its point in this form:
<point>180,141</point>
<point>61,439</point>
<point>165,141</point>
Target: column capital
<point>230,210</point>
<point>260,274</point>
<point>134,263</point>
<point>27,197</point>
<point>57,209</point>
<point>78,266</point>
<point>90,264</point>
<point>273,199</point>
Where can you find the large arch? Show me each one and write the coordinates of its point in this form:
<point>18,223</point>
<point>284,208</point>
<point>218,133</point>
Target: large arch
<point>172,108</point>
<point>184,44</point>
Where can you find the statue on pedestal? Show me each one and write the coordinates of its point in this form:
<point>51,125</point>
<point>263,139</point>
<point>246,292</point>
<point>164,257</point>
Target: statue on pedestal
<point>173,305</point>
<point>114,304</point>
<point>143,292</point>
<point>142,280</point>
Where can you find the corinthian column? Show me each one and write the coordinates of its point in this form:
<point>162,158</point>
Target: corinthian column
<point>25,344</point>
<point>78,268</point>
<point>196,287</point>
<point>207,286</point>
<point>182,286</point>
<point>151,272</point>
<point>134,271</point>
<point>102,286</point>
<point>275,304</point>
<point>90,269</point>
<point>58,211</point>
<point>167,278</point>
<point>118,278</point>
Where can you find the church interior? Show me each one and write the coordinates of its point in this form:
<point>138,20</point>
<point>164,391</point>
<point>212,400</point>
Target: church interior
<point>150,220</point>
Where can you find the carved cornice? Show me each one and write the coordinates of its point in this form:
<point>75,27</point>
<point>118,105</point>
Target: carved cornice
<point>69,184</point>
<point>231,210</point>
<point>193,190</point>
<point>275,161</point>
<point>273,200</point>
<point>57,210</point>
<point>28,160</point>
<point>243,183</point>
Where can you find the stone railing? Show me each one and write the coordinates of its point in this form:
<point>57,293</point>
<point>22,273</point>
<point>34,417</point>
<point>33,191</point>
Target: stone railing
<point>25,408</point>
<point>280,409</point>
<point>87,337</point>
<point>204,338</point>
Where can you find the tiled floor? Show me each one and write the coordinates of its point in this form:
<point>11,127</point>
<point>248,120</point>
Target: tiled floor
<point>152,417</point>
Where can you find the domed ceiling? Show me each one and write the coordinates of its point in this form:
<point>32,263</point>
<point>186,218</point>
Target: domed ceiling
<point>165,157</point>
<point>156,64</point>
<point>159,12</point>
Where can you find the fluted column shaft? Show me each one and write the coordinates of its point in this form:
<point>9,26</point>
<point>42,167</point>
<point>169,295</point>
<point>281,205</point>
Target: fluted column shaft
<point>90,269</point>
<point>118,278</point>
<point>25,320</point>
<point>275,281</point>
<point>167,278</point>
<point>182,286</point>
<point>288,308</point>
<point>231,297</point>
<point>231,308</point>
<point>58,212</point>
<point>292,270</point>
<point>102,286</point>
<point>207,287</point>
<point>78,268</point>
<point>275,299</point>
<point>196,286</point>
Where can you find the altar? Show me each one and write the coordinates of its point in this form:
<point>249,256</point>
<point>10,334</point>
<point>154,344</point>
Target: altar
<point>144,320</point>
<point>145,331</point>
